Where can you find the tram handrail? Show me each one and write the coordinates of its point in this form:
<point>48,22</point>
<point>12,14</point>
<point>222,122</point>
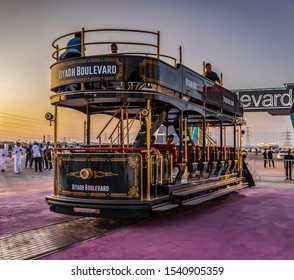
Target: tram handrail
<point>131,124</point>
<point>118,110</point>
<point>153,45</point>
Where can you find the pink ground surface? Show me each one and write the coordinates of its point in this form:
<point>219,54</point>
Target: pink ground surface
<point>256,223</point>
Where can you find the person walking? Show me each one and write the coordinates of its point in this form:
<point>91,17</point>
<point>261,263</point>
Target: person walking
<point>17,151</point>
<point>37,156</point>
<point>3,154</point>
<point>29,159</point>
<point>270,158</point>
<point>264,154</point>
<point>288,162</point>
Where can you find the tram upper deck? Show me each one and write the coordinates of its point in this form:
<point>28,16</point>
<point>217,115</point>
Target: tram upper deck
<point>133,77</point>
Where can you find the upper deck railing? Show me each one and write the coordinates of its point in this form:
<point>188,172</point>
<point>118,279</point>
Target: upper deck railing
<point>139,66</point>
<point>87,40</point>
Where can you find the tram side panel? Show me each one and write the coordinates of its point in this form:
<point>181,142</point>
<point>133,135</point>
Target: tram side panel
<point>108,176</point>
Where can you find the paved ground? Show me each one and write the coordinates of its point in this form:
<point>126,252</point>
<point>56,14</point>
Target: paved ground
<point>22,200</point>
<point>256,223</point>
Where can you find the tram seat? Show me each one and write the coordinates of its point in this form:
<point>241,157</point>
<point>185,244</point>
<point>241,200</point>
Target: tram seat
<point>197,174</point>
<point>236,166</point>
<point>225,168</point>
<point>179,174</point>
<point>216,171</point>
<point>193,168</point>
<point>207,171</point>
<point>214,168</point>
<point>232,167</point>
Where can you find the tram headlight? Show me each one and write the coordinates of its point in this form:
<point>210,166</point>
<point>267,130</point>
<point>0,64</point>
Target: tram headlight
<point>144,112</point>
<point>48,116</point>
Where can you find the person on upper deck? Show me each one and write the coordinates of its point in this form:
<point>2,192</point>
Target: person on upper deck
<point>73,47</point>
<point>114,48</point>
<point>170,139</point>
<point>210,74</point>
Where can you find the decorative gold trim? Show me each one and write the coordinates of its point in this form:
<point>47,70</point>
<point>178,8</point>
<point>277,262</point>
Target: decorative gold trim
<point>142,68</point>
<point>134,162</point>
<point>101,174</point>
<point>133,192</point>
<point>88,173</point>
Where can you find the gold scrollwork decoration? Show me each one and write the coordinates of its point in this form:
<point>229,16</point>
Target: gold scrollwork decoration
<point>134,162</point>
<point>143,66</point>
<point>133,192</point>
<point>101,174</point>
<point>88,173</point>
<point>59,161</point>
<point>74,174</point>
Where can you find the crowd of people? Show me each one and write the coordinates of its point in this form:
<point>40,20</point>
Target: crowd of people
<point>37,154</point>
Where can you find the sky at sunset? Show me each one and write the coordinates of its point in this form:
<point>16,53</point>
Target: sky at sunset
<point>250,42</point>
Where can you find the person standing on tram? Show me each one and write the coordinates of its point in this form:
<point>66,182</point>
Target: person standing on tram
<point>210,74</point>
<point>114,48</point>
<point>3,154</point>
<point>170,139</point>
<point>73,47</point>
<point>17,151</point>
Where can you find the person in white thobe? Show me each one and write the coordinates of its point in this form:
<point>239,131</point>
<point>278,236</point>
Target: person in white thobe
<point>17,151</point>
<point>3,155</point>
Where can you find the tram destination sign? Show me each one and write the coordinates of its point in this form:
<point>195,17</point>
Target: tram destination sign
<point>85,70</point>
<point>270,100</point>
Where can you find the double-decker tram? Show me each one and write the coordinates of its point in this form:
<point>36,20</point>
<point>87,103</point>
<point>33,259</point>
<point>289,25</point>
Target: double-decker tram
<point>120,171</point>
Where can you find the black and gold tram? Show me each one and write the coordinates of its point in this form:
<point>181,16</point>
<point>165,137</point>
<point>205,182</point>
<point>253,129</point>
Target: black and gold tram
<point>124,178</point>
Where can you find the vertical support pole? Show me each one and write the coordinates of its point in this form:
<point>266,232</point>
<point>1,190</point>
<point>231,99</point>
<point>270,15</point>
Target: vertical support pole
<point>235,140</point>
<point>203,139</point>
<point>240,152</point>
<point>208,142</point>
<point>186,142</point>
<point>221,144</point>
<point>180,55</point>
<point>225,144</point>
<point>221,79</point>
<point>57,53</point>
<point>83,51</point>
<point>203,68</point>
<point>122,135</point>
<point>149,163</point>
<point>85,132</point>
<point>55,146</point>
<point>88,123</point>
<point>181,137</point>
<point>158,45</point>
<point>128,129</point>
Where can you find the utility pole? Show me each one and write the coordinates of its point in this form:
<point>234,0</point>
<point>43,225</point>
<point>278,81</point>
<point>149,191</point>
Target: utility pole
<point>286,136</point>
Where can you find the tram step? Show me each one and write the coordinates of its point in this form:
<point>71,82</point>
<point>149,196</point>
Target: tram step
<point>164,207</point>
<point>206,197</point>
<point>204,187</point>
